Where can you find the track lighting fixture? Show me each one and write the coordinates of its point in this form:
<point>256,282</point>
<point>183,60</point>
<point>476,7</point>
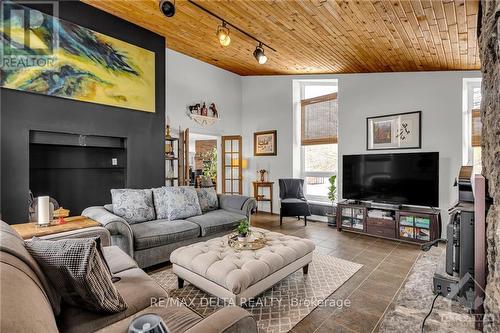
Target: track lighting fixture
<point>223,34</point>
<point>167,7</point>
<point>259,54</point>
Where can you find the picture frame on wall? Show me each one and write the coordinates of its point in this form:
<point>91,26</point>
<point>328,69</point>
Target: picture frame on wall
<point>265,143</point>
<point>394,131</point>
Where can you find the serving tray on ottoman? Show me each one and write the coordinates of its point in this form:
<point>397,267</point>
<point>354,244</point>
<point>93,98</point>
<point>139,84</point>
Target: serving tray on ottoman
<point>237,276</point>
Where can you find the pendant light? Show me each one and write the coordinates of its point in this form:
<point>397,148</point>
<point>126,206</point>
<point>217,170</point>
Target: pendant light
<point>259,54</point>
<point>223,34</point>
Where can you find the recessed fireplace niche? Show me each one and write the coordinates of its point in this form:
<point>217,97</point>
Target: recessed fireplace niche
<point>77,170</point>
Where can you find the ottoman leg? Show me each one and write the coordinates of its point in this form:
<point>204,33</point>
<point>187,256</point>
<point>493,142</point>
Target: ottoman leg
<point>305,269</point>
<point>180,283</point>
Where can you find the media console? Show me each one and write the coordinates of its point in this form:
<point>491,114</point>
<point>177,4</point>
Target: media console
<point>404,223</point>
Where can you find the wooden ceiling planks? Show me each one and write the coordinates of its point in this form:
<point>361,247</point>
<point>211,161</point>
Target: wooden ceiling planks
<point>318,36</point>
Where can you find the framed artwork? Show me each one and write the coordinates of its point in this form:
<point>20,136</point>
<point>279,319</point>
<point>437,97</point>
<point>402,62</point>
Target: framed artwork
<point>63,59</point>
<point>394,131</point>
<point>265,143</point>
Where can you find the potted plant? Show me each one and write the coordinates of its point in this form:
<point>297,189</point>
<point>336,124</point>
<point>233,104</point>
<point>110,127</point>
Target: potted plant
<point>243,230</point>
<point>332,194</point>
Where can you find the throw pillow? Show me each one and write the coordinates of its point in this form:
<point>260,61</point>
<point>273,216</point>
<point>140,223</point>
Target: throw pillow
<point>174,203</point>
<point>133,205</point>
<point>208,199</point>
<point>77,270</point>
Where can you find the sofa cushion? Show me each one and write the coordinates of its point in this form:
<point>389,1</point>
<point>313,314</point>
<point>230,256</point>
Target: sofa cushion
<point>133,205</point>
<point>137,289</point>
<point>161,232</point>
<point>79,272</point>
<point>217,221</point>
<point>117,260</point>
<point>176,203</point>
<point>208,199</point>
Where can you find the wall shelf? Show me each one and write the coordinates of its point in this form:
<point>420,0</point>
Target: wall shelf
<point>203,120</point>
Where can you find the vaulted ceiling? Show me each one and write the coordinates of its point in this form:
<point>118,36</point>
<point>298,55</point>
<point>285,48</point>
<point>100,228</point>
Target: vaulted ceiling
<point>318,36</point>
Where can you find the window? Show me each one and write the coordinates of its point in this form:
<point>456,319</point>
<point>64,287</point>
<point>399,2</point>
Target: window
<point>318,123</point>
<point>472,121</point>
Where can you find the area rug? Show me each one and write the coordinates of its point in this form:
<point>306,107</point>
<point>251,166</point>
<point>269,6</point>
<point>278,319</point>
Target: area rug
<point>414,301</point>
<point>280,308</point>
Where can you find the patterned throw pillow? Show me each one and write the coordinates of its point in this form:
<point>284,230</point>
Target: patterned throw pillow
<point>77,270</point>
<point>208,199</point>
<point>174,203</point>
<point>133,205</point>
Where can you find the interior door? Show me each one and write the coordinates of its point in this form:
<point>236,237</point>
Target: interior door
<point>232,178</point>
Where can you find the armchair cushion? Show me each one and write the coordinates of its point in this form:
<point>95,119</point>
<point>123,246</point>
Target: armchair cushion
<point>175,203</point>
<point>291,188</point>
<point>133,205</point>
<point>295,207</point>
<point>161,232</point>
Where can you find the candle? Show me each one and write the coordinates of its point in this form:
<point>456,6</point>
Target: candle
<point>43,210</point>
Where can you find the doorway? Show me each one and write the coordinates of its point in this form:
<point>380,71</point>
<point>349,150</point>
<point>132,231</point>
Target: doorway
<point>202,160</point>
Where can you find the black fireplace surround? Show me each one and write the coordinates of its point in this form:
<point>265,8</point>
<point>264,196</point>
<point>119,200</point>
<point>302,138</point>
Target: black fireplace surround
<point>141,133</point>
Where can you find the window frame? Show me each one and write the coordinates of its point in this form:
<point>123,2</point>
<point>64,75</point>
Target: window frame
<point>303,173</point>
<point>468,119</point>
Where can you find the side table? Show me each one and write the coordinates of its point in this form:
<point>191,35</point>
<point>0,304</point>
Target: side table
<point>257,185</point>
<point>29,230</point>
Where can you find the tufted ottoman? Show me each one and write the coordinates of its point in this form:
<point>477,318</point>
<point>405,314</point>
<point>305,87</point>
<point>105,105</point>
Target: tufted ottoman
<point>237,276</point>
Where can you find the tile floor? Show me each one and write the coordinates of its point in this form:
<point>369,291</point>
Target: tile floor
<point>370,291</point>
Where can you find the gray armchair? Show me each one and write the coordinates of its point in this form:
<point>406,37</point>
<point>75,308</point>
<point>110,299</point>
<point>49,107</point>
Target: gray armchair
<point>292,199</point>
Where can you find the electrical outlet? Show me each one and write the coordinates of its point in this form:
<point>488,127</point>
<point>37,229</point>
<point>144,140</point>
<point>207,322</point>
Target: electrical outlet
<point>114,161</point>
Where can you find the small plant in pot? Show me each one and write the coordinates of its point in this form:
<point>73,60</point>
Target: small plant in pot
<point>243,230</point>
<point>332,194</point>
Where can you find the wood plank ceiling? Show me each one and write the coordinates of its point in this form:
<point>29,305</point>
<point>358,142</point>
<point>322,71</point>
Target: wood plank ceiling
<point>318,36</point>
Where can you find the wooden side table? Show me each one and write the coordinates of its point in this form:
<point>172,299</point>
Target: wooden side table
<point>29,230</point>
<point>257,185</point>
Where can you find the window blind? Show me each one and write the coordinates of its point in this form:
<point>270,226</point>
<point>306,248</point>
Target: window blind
<point>319,119</point>
<point>476,128</point>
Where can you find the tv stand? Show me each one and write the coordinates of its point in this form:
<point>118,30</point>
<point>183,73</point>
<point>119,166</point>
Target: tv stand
<point>403,223</point>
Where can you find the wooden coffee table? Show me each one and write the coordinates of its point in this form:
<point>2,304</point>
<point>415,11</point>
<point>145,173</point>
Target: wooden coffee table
<point>29,230</point>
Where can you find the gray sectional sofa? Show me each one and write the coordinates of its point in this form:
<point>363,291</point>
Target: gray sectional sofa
<point>152,242</point>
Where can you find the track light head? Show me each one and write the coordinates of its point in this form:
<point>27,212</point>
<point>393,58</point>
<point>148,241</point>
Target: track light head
<point>223,34</point>
<point>259,54</point>
<point>167,7</point>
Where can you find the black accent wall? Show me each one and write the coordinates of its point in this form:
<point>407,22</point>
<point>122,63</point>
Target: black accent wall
<point>22,112</point>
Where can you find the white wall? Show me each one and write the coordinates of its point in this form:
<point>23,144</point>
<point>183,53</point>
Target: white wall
<point>190,81</point>
<point>257,103</point>
<point>268,104</point>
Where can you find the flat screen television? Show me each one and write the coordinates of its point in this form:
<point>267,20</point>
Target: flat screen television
<point>404,179</point>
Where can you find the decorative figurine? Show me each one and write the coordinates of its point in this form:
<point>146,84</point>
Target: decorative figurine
<point>215,113</point>
<point>194,109</point>
<point>262,173</point>
<point>61,213</point>
<point>204,110</point>
<point>167,132</point>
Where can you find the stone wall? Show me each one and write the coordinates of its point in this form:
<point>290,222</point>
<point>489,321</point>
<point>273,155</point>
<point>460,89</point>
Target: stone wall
<point>490,116</point>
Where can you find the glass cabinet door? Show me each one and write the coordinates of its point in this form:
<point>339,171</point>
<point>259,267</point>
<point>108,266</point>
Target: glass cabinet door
<point>346,217</point>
